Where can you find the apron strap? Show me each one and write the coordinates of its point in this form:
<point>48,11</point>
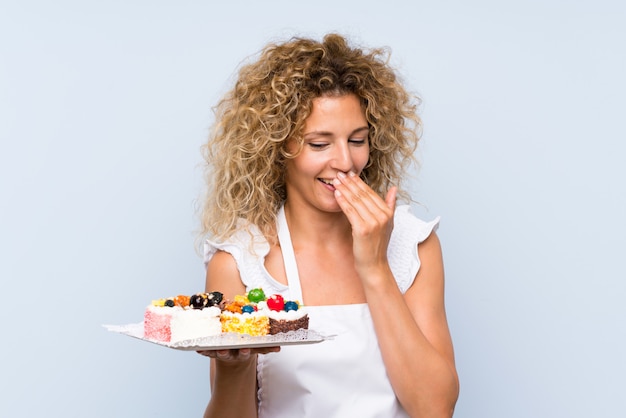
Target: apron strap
<point>289,257</point>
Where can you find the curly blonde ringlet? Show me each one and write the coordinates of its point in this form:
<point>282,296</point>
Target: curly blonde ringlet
<point>272,97</point>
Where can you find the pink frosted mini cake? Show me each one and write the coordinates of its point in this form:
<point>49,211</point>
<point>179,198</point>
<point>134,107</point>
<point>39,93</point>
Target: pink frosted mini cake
<point>183,318</point>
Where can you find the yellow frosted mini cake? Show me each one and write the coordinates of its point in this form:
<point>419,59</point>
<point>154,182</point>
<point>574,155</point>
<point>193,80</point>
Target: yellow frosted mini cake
<point>242,316</point>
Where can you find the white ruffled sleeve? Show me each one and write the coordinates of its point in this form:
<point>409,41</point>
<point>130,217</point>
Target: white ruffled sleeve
<point>248,249</point>
<point>408,231</point>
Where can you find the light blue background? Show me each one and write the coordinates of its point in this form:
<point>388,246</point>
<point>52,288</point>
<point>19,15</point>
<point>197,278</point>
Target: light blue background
<point>103,108</point>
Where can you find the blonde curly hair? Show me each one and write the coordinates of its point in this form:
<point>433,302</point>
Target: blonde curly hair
<point>272,97</point>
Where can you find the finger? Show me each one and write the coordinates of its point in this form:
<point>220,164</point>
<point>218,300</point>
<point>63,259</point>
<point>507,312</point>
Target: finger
<point>239,353</point>
<point>267,350</point>
<point>348,206</point>
<point>357,195</point>
<point>360,196</point>
<point>243,354</point>
<point>222,354</point>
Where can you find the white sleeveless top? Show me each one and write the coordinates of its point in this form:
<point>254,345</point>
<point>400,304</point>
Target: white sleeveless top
<point>339,377</point>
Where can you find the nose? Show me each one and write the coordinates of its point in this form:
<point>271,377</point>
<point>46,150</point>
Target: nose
<point>342,157</point>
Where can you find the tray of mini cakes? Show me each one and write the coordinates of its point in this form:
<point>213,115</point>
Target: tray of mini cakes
<point>207,321</point>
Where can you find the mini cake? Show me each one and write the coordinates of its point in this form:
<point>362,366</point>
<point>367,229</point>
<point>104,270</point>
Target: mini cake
<point>254,309</point>
<point>242,316</point>
<point>286,316</point>
<point>183,318</point>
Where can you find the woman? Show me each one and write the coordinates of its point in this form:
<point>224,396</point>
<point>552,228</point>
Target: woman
<point>304,163</point>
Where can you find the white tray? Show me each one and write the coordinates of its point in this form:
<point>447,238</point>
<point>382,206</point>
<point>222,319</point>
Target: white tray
<point>227,340</point>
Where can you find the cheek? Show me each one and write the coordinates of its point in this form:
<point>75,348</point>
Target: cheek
<point>309,162</point>
<point>300,166</point>
<point>361,159</point>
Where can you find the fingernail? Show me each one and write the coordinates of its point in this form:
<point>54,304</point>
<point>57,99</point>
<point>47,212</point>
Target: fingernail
<point>341,175</point>
<point>351,173</point>
<point>336,182</point>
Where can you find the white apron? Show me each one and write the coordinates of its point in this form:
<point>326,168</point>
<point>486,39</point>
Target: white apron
<point>340,377</point>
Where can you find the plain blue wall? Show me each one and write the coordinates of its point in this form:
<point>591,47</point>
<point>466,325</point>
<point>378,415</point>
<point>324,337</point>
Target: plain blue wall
<point>103,108</point>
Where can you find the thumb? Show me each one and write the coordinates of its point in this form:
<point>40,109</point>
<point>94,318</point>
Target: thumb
<point>390,199</point>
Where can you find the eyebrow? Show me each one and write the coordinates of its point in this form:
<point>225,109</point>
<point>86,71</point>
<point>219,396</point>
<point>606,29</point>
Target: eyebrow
<point>327,133</point>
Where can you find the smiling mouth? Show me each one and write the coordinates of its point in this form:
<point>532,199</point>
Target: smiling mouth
<point>327,182</point>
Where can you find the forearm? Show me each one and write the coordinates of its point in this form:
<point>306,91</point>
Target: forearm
<point>422,375</point>
<point>233,391</point>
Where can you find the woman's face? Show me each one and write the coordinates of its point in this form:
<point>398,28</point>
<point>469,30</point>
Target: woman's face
<point>335,140</point>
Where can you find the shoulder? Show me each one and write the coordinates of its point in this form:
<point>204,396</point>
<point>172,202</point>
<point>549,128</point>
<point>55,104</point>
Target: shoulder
<point>233,263</point>
<point>408,225</point>
<point>245,244</point>
<point>222,274</point>
<point>238,263</point>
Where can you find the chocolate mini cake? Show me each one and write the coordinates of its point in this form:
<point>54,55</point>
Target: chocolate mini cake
<point>286,325</point>
<point>286,316</point>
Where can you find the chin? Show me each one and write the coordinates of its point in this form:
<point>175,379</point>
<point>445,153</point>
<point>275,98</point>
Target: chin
<point>330,207</point>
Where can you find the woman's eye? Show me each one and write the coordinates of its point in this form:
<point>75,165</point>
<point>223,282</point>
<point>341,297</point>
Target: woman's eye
<point>357,141</point>
<point>316,145</point>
